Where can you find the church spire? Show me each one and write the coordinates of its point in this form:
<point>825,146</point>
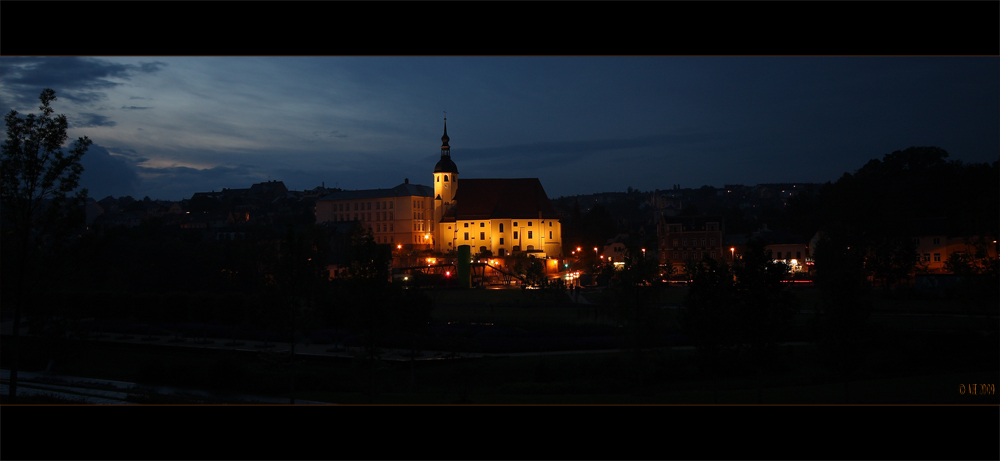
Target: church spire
<point>445,149</point>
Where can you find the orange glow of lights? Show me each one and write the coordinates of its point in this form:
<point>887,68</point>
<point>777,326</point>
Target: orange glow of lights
<point>578,248</point>
<point>447,274</point>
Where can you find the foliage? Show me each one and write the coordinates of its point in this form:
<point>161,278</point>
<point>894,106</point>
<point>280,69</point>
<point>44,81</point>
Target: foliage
<point>877,209</point>
<point>36,180</point>
<point>846,305</point>
<point>739,310</point>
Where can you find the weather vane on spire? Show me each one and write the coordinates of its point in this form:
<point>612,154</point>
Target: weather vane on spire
<point>445,115</point>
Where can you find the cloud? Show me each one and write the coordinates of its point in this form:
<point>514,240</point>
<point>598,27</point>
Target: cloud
<point>82,80</point>
<point>135,108</point>
<point>105,174</point>
<point>180,182</point>
<point>543,154</point>
<point>89,119</point>
<point>332,134</point>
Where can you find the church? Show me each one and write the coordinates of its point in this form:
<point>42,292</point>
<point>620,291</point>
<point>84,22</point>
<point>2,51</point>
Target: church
<point>504,216</point>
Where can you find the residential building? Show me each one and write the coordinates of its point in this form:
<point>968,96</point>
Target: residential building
<point>690,238</point>
<point>400,216</point>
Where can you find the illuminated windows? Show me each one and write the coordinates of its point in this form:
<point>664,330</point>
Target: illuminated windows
<point>467,236</point>
<point>529,232</point>
<point>501,227</point>
<point>482,236</point>
<point>937,256</point>
<point>515,235</point>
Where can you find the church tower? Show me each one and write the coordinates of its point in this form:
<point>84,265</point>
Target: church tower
<point>445,179</point>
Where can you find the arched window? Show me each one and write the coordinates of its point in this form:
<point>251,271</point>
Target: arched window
<point>445,178</point>
<point>501,252</point>
<point>439,179</point>
<point>531,247</point>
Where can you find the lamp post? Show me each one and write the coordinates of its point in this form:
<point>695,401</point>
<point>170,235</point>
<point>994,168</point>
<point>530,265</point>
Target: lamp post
<point>732,251</point>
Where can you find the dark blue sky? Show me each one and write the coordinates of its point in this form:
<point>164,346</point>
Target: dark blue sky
<point>168,127</point>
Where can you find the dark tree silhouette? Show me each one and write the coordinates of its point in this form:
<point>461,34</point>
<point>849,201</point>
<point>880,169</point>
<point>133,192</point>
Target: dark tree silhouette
<point>846,306</point>
<point>709,317</point>
<point>764,307</point>
<point>39,207</point>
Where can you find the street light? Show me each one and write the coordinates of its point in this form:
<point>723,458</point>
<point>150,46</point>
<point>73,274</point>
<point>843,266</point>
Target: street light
<point>732,251</point>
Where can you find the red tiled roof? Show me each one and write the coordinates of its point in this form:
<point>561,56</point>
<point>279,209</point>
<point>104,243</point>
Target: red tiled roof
<point>499,199</point>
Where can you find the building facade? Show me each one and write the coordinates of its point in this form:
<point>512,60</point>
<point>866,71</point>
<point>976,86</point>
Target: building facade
<point>502,216</point>
<point>685,238</point>
<point>399,216</point>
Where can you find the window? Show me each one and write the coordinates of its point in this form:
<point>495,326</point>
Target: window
<point>466,224</point>
<point>482,224</point>
<point>713,241</point>
<point>550,234</point>
<point>482,236</point>
<point>677,255</point>
<point>390,215</point>
<point>445,178</point>
<point>439,179</point>
<point>927,257</point>
<point>529,233</point>
<point>550,223</point>
<point>390,238</point>
<point>390,227</point>
<point>369,216</point>
<point>529,223</point>
<point>501,227</point>
<point>515,225</point>
<point>467,236</point>
<point>355,207</point>
<point>685,243</point>
<point>937,241</point>
<point>376,205</point>
<point>515,235</point>
<point>355,216</point>
<point>675,242</point>
<point>685,255</point>
<point>703,243</point>
<point>501,240</point>
<point>937,257</point>
<point>713,255</point>
<point>390,205</point>
<point>369,205</point>
<point>531,247</point>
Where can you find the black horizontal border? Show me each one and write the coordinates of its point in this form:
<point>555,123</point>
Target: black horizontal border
<point>501,432</point>
<point>501,28</point>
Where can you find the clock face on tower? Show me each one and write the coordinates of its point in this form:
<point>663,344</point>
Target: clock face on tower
<point>447,186</point>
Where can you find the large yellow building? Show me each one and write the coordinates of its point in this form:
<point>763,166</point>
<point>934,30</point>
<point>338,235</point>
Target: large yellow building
<point>504,216</point>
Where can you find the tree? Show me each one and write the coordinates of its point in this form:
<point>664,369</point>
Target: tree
<point>846,306</point>
<point>764,308</point>
<point>709,317</point>
<point>38,178</point>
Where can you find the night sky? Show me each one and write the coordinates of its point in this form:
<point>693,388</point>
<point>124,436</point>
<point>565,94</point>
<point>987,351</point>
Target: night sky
<point>166,127</point>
